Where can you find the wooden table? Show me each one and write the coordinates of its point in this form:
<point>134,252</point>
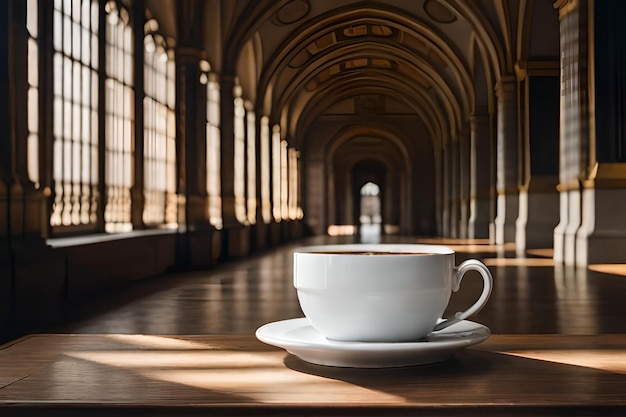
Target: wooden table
<point>510,375</point>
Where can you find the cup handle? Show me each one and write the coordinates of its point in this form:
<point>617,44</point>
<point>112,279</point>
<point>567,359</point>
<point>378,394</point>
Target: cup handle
<point>470,264</point>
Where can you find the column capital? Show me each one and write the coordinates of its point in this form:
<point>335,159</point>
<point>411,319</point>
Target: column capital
<point>565,7</point>
<point>477,117</point>
<point>228,79</point>
<point>521,70</point>
<point>505,85</point>
<point>186,55</point>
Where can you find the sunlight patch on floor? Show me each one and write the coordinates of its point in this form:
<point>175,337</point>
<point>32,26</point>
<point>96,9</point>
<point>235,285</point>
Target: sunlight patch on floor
<point>518,262</point>
<point>261,376</point>
<point>274,384</point>
<point>612,360</point>
<point>449,241</point>
<point>615,269</point>
<point>157,342</point>
<point>176,359</point>
<point>545,253</point>
<point>498,249</point>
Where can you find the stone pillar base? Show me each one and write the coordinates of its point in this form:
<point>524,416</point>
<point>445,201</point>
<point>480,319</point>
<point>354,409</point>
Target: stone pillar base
<point>296,231</point>
<point>6,271</point>
<point>204,247</point>
<point>602,235</point>
<point>602,248</point>
<point>261,234</point>
<point>478,227</point>
<point>559,231</point>
<point>445,220</point>
<point>40,285</point>
<point>508,208</point>
<point>574,221</point>
<point>464,215</point>
<point>539,215</point>
<point>238,241</point>
<point>275,236</point>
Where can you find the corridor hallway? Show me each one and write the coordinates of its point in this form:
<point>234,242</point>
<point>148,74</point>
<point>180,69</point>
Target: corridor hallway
<point>160,160</point>
<point>149,136</point>
<point>531,295</point>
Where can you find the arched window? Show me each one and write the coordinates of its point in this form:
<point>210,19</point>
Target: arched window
<point>75,115</point>
<point>160,208</point>
<point>213,148</point>
<point>240,157</point>
<point>32,23</point>
<point>276,173</point>
<point>266,204</point>
<point>370,204</point>
<point>251,162</point>
<point>293,184</point>
<point>119,98</point>
<point>284,181</point>
<point>370,217</point>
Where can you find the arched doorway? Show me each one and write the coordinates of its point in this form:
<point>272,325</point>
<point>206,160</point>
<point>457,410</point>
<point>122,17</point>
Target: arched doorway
<point>370,217</point>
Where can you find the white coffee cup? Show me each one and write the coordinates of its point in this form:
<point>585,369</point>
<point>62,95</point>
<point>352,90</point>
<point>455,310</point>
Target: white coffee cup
<point>381,292</point>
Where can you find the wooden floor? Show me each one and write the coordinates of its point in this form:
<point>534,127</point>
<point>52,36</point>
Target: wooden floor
<point>184,344</point>
<point>531,295</point>
<point>205,375</point>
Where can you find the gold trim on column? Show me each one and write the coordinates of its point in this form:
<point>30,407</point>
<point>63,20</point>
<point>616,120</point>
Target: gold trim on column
<point>536,68</point>
<point>189,51</point>
<point>484,195</point>
<point>521,70</point>
<point>228,78</point>
<point>565,7</point>
<point>545,184</point>
<point>570,185</point>
<point>506,84</point>
<point>607,175</point>
<point>514,190</point>
<point>542,184</point>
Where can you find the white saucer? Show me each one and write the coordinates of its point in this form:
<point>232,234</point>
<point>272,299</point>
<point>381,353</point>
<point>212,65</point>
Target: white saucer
<point>298,337</point>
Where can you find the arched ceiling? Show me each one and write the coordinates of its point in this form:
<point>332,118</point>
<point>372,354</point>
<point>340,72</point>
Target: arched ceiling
<point>436,60</point>
<point>317,53</point>
<point>370,83</point>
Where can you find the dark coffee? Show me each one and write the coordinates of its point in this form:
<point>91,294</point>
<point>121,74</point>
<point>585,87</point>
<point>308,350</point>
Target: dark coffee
<point>369,253</point>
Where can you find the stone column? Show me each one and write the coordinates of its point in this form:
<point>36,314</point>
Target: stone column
<point>406,217</point>
<point>348,207</point>
<point>23,198</point>
<point>574,134</point>
<point>464,184</point>
<point>236,237</point>
<point>138,198</point>
<point>390,206</point>
<point>539,199</point>
<point>507,162</point>
<point>192,130</point>
<point>227,147</point>
<point>195,243</point>
<point>446,188</point>
<point>7,303</point>
<point>454,189</point>
<point>601,237</point>
<point>318,200</point>
<point>331,195</point>
<point>439,181</point>
<point>480,176</point>
<point>32,276</point>
<point>342,190</point>
<point>261,234</point>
